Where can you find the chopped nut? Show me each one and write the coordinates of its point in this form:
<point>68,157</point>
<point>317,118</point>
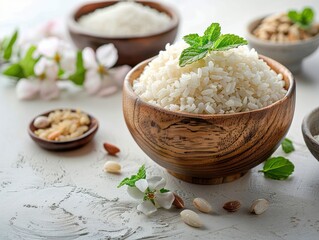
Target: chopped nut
<point>232,206</point>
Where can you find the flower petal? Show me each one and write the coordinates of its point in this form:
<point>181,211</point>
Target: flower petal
<point>141,184</point>
<point>39,67</point>
<point>119,73</point>
<point>134,192</point>
<point>27,89</point>
<point>164,200</point>
<point>89,59</point>
<point>92,83</point>
<point>68,61</point>
<point>49,89</point>
<point>107,55</point>
<point>48,46</point>
<point>107,91</point>
<point>146,207</point>
<point>156,182</point>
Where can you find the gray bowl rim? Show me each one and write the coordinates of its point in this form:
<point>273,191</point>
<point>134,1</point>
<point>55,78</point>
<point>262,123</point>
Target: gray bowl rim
<point>252,37</point>
<point>73,25</point>
<point>305,126</point>
<point>292,86</point>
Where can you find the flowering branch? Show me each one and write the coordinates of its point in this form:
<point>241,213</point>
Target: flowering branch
<point>39,64</point>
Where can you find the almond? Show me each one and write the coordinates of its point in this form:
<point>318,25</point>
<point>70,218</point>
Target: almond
<point>191,218</point>
<point>178,201</point>
<point>111,149</point>
<point>232,206</point>
<point>202,205</point>
<point>259,206</point>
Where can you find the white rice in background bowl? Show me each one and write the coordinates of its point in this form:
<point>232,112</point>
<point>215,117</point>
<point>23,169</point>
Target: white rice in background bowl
<point>223,82</point>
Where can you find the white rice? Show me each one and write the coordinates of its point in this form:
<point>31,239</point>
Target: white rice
<point>125,19</point>
<point>223,82</point>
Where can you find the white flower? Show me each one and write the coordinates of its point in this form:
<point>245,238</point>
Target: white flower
<point>44,84</point>
<point>149,192</point>
<point>99,78</point>
<point>58,51</point>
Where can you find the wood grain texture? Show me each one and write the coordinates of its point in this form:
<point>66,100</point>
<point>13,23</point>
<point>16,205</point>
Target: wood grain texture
<point>64,145</point>
<point>208,149</point>
<point>310,128</point>
<point>131,50</point>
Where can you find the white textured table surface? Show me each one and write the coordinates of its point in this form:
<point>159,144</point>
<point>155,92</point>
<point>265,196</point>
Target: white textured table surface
<point>49,195</point>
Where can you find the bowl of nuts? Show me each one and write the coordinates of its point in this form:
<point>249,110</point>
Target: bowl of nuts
<point>286,37</point>
<point>63,129</point>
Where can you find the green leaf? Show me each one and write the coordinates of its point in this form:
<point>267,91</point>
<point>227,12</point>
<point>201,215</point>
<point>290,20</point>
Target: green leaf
<point>228,41</point>
<point>141,174</point>
<point>278,168</point>
<point>79,75</point>
<point>193,39</point>
<point>14,70</point>
<point>8,48</point>
<point>304,18</point>
<point>28,62</point>
<point>294,16</point>
<point>212,33</point>
<point>287,146</point>
<point>192,54</point>
<point>307,16</point>
<point>164,190</point>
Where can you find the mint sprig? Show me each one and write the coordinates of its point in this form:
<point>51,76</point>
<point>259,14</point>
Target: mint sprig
<point>278,168</point>
<point>287,146</point>
<point>303,18</point>
<point>212,40</point>
<point>141,174</point>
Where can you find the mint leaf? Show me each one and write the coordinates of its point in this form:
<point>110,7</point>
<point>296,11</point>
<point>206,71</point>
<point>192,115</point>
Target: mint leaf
<point>304,18</point>
<point>200,46</point>
<point>14,70</point>
<point>192,54</point>
<point>228,41</point>
<point>141,174</point>
<point>193,39</point>
<point>212,33</point>
<point>8,48</point>
<point>307,16</point>
<point>164,190</point>
<point>28,62</point>
<point>278,168</point>
<point>287,146</point>
<point>78,76</point>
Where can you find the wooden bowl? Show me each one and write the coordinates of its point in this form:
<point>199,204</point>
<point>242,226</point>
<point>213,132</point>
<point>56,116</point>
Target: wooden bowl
<point>208,148</point>
<point>131,50</point>
<point>310,128</point>
<point>289,54</point>
<point>65,145</point>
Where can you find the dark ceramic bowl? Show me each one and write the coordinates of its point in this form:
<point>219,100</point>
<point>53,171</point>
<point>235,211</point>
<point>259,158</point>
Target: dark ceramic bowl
<point>310,128</point>
<point>65,145</point>
<point>131,50</point>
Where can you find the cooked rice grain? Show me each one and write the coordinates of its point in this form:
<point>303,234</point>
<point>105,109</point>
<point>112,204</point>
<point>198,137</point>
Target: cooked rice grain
<point>223,82</point>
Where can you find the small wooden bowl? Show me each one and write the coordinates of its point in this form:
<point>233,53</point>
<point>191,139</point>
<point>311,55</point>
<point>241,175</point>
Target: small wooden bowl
<point>203,148</point>
<point>65,145</point>
<point>310,127</point>
<point>131,50</point>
